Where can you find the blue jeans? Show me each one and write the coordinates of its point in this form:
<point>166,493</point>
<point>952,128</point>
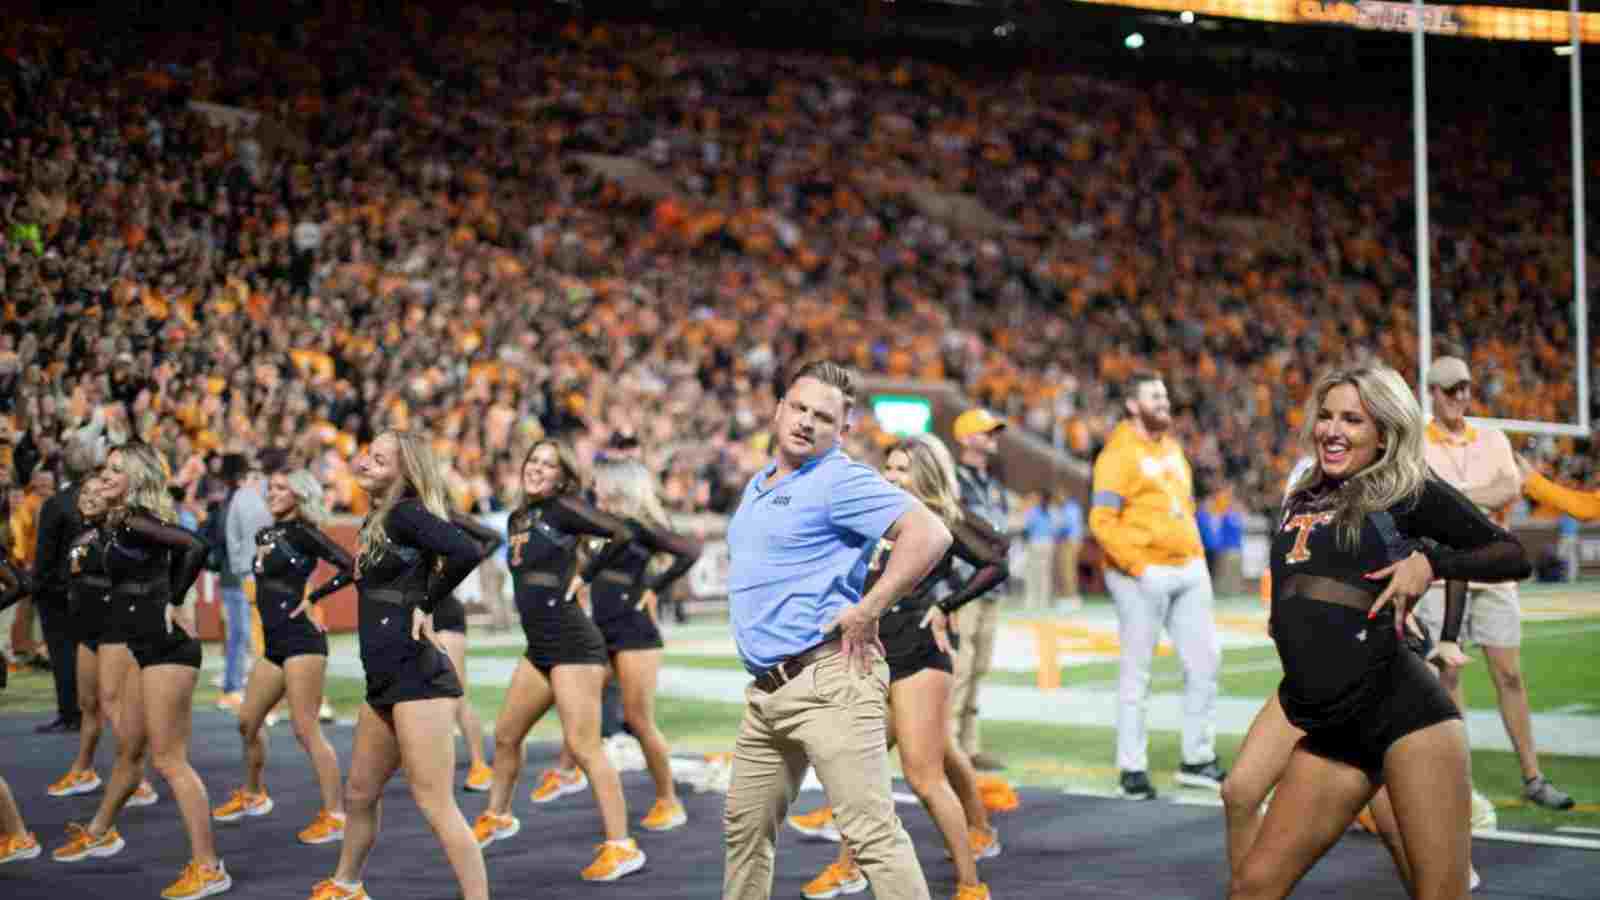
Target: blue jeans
<point>236,653</point>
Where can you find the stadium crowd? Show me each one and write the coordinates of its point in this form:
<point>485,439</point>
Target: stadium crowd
<point>299,237</point>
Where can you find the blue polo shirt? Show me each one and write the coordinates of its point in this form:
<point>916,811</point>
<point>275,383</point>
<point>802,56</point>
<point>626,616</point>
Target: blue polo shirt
<point>798,553</point>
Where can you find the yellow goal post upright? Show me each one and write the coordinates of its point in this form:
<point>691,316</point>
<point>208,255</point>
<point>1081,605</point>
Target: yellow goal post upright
<point>1580,300</point>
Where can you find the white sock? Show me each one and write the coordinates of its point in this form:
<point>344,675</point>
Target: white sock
<point>348,885</point>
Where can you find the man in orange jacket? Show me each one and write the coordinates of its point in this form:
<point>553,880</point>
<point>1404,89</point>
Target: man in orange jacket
<point>1142,515</point>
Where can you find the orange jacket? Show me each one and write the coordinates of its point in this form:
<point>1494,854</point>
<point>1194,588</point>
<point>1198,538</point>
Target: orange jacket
<point>1584,505</point>
<point>1142,509</point>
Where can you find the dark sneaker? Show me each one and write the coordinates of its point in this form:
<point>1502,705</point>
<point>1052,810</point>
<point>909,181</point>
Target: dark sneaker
<point>1137,785</point>
<point>1205,775</point>
<point>1539,790</point>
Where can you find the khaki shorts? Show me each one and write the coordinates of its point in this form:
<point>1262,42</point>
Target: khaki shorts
<point>1493,617</point>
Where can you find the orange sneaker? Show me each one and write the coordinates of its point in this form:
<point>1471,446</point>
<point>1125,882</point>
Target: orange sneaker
<point>145,795</point>
<point>82,845</point>
<point>614,859</point>
<point>979,891</point>
<point>985,842</point>
<point>816,824</point>
<point>664,816</point>
<point>491,827</point>
<point>836,880</point>
<point>997,794</point>
<point>557,784</point>
<point>75,782</point>
<point>199,880</point>
<point>328,889</point>
<point>18,847</point>
<point>230,702</point>
<point>326,828</point>
<point>241,804</point>
<point>1365,822</point>
<point>480,778</point>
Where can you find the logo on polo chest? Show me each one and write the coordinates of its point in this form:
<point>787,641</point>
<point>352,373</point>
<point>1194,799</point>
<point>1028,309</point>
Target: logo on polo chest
<point>781,500</point>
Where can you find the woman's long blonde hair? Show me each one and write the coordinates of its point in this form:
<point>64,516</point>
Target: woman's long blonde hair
<point>148,476</point>
<point>1399,471</point>
<point>933,475</point>
<point>419,478</point>
<point>307,492</point>
<point>631,481</point>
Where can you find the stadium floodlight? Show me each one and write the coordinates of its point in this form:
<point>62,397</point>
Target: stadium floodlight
<point>1186,17</point>
<point>1133,41</point>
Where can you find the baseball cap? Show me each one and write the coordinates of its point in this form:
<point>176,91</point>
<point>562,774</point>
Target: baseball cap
<point>976,421</point>
<point>1447,372</point>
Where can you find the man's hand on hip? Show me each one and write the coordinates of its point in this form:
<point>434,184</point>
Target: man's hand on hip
<point>859,634</point>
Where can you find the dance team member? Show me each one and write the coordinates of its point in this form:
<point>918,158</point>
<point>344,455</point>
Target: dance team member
<point>296,660</point>
<point>151,564</point>
<point>1373,713</point>
<point>565,663</point>
<point>410,558</point>
<point>450,627</point>
<point>88,605</point>
<point>17,843</point>
<point>623,597</point>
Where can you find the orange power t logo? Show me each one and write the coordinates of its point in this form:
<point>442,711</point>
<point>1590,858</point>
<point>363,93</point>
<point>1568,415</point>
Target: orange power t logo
<point>1304,523</point>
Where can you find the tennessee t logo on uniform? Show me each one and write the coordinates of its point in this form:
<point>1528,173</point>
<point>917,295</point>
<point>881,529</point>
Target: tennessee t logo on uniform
<point>1304,524</point>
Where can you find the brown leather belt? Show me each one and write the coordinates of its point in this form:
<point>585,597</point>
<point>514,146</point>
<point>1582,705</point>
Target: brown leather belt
<point>786,671</point>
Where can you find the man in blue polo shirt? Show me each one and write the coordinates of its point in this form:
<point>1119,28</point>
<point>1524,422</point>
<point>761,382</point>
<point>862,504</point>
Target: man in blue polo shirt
<point>799,544</point>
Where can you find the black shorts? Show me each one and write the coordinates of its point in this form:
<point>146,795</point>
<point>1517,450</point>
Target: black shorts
<point>630,630</point>
<point>1411,699</point>
<point>175,649</point>
<point>295,638</point>
<point>562,635</point>
<point>422,672</point>
<point>450,615</point>
<point>909,648</point>
<point>88,615</point>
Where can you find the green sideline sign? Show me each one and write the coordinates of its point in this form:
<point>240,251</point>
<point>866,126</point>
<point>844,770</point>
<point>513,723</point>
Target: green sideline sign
<point>901,414</point>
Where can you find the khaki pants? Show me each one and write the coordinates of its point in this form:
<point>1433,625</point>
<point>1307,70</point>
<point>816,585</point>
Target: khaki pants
<point>975,623</point>
<point>1067,559</point>
<point>837,722</point>
<point>1228,580</point>
<point>1039,579</point>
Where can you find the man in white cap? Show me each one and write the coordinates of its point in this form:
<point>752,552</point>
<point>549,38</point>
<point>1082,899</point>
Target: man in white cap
<point>1479,462</point>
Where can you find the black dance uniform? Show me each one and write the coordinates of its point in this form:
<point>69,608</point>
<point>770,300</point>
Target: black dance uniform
<point>1346,683</point>
<point>910,648</point>
<point>451,614</point>
<point>14,585</point>
<point>614,594</point>
<point>88,586</point>
<point>420,561</point>
<point>151,565</point>
<point>544,552</point>
<point>286,555</point>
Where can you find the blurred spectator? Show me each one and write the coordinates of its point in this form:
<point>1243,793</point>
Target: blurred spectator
<point>1068,515</point>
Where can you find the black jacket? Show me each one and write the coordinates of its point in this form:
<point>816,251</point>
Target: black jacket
<point>59,523</point>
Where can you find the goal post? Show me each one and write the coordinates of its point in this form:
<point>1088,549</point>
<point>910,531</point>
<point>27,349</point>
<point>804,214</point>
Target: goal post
<point>1580,298</point>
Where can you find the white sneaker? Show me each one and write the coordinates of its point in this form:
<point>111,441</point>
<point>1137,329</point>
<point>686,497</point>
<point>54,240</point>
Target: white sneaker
<point>1484,817</point>
<point>1475,882</point>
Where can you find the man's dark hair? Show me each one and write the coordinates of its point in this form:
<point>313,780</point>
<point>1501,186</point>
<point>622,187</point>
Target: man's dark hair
<point>273,460</point>
<point>831,374</point>
<point>1131,385</point>
<point>234,467</point>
